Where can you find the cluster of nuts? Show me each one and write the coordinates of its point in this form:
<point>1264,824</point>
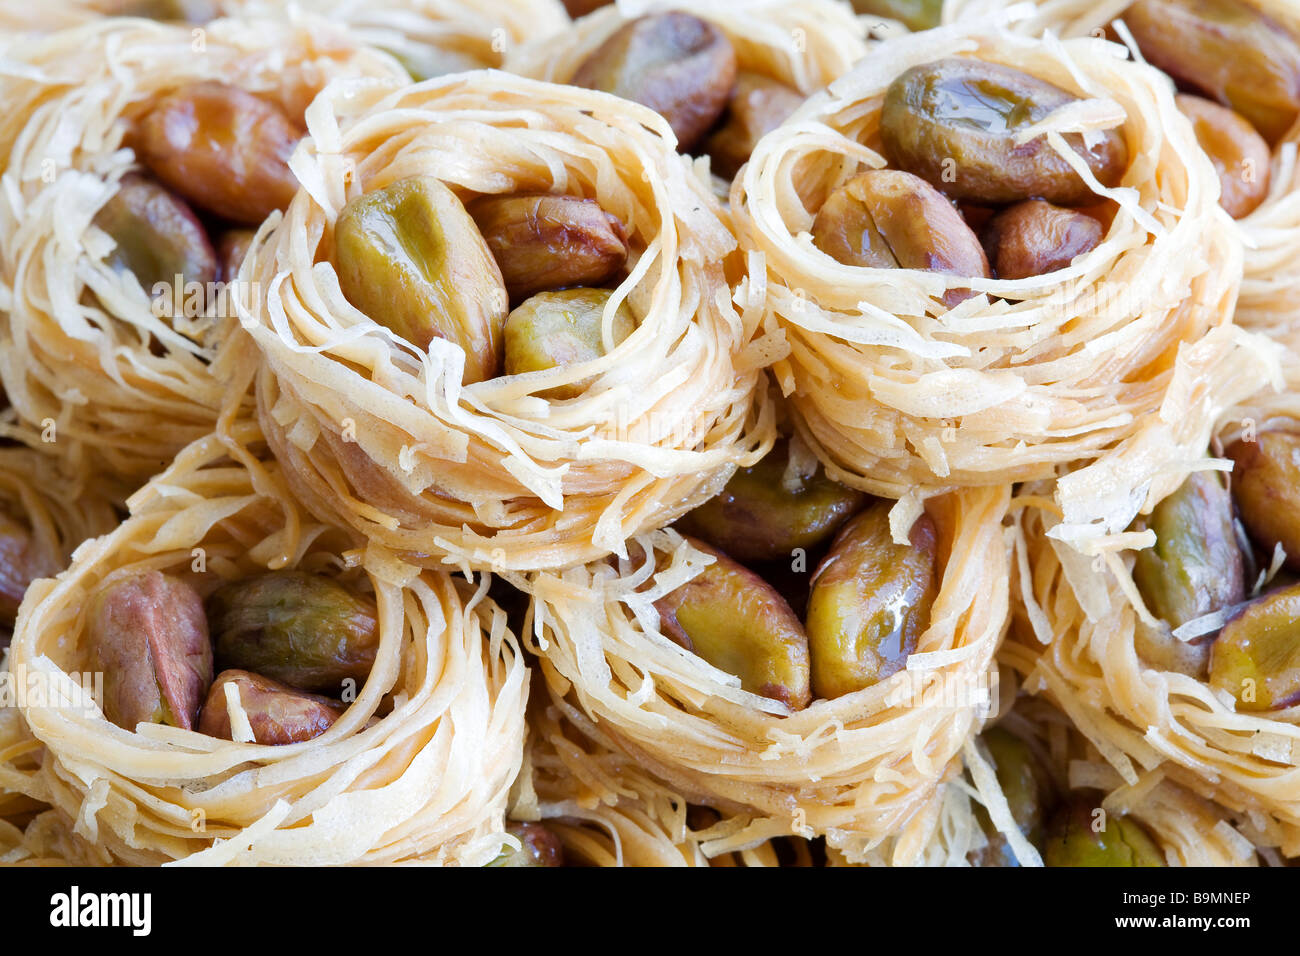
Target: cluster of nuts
<point>417,260</point>
<point>282,640</point>
<point>863,608</point>
<point>211,147</point>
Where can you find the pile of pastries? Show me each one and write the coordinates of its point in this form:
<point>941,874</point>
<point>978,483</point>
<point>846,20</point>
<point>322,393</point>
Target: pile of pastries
<point>764,433</point>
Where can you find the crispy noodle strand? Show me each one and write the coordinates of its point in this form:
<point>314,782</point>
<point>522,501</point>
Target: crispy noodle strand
<point>60,513</point>
<point>608,810</point>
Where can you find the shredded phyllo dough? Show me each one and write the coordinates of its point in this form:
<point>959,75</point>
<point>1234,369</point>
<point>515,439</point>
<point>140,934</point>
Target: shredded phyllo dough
<point>383,437</point>
<point>1077,647</point>
<point>417,769</point>
<point>802,43</point>
<point>1122,359</point>
<point>61,513</point>
<point>85,348</point>
<point>607,809</point>
<point>1270,290</point>
<point>857,769</point>
<point>1190,830</point>
<point>433,37</point>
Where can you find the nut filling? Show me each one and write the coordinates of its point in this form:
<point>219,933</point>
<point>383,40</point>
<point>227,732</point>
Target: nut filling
<point>278,639</point>
<point>868,601</point>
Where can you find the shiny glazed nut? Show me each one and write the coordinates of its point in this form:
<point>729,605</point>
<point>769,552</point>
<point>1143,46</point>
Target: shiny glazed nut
<point>870,603</point>
<point>758,517</point>
<point>1022,781</point>
<point>680,66</point>
<point>1256,657</point>
<point>560,329</point>
<point>886,219</point>
<point>916,15</point>
<point>1240,155</point>
<point>158,237</point>
<point>1194,568</point>
<point>1229,50</point>
<point>543,243</point>
<point>222,148</point>
<point>149,637</point>
<point>1034,238</point>
<point>758,105</point>
<point>1266,488</point>
<point>306,630</point>
<point>735,621</point>
<point>538,847</point>
<point>277,714</point>
<point>1073,841</point>
<point>954,123</point>
<point>410,257</point>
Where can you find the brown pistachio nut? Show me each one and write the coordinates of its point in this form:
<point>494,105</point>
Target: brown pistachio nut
<point>149,637</point>
<point>870,602</point>
<point>1256,657</point>
<point>543,243</point>
<point>954,123</point>
<point>306,630</point>
<point>1230,50</point>
<point>1266,488</point>
<point>222,148</point>
<point>560,329</point>
<point>539,846</point>
<point>1033,238</point>
<point>759,517</point>
<point>157,236</point>
<point>886,219</point>
<point>1240,155</point>
<point>410,257</point>
<point>735,621</point>
<point>758,105</point>
<point>1078,836</point>
<point>277,714</point>
<point>680,66</point>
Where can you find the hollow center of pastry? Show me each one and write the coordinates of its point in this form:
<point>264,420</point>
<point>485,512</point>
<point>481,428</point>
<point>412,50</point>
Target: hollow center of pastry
<point>523,283</point>
<point>289,650</point>
<point>863,602</point>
